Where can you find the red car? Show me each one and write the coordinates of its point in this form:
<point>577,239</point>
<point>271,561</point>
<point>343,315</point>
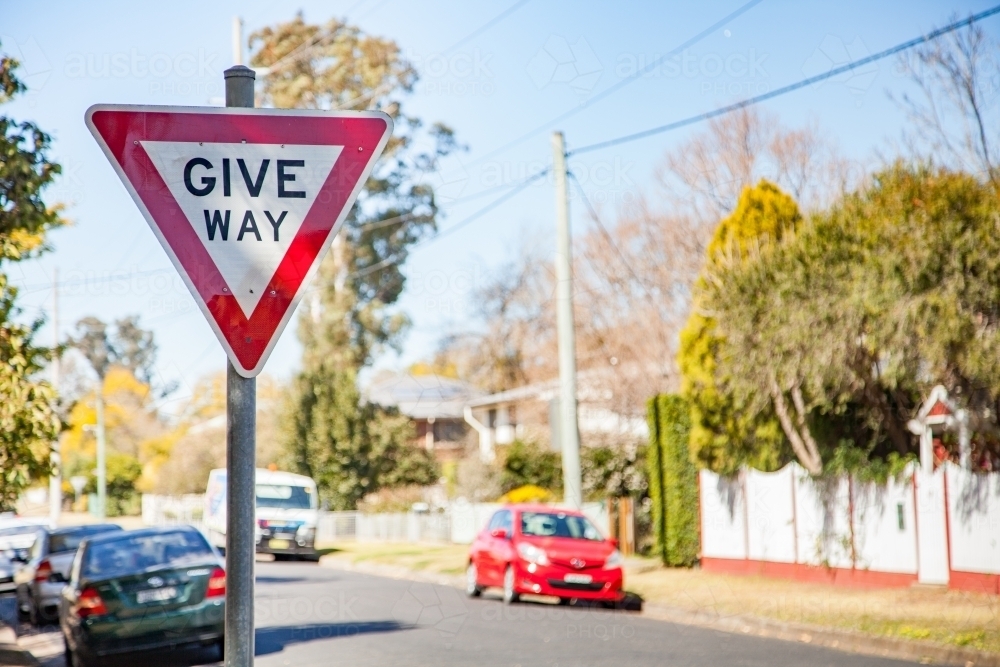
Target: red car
<point>544,550</point>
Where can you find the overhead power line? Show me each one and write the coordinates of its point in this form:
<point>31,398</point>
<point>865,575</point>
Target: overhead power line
<point>486,26</point>
<point>607,235</point>
<point>395,259</point>
<point>624,82</point>
<point>791,87</point>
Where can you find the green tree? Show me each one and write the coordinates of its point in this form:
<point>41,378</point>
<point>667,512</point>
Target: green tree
<point>349,446</point>
<point>527,463</point>
<point>724,433</point>
<point>123,472</point>
<point>841,328</point>
<point>28,421</point>
<point>329,431</point>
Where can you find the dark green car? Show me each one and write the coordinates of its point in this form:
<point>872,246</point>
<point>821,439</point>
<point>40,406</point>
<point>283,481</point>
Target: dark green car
<point>142,590</point>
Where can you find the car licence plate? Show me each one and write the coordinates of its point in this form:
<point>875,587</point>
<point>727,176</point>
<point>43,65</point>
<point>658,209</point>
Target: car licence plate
<point>578,578</point>
<point>156,595</point>
<point>278,544</point>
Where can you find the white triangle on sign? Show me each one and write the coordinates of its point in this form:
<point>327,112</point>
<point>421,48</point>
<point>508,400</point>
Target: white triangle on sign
<point>266,202</point>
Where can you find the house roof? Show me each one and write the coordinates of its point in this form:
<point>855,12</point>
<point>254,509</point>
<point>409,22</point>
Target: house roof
<point>537,391</point>
<point>423,396</point>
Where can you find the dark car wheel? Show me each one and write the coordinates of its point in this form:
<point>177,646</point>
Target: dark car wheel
<point>472,587</point>
<point>23,606</point>
<point>510,595</point>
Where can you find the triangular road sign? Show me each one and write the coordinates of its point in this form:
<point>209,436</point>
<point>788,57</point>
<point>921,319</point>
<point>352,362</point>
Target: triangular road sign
<point>245,201</point>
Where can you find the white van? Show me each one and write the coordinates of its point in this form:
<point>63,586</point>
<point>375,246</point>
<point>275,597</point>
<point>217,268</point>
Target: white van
<point>286,513</point>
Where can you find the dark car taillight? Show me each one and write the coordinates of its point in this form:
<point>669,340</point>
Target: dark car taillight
<point>216,583</point>
<point>90,603</point>
<point>43,571</point>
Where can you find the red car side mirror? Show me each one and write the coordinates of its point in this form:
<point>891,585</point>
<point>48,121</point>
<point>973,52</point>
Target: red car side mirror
<point>499,533</point>
<point>614,542</point>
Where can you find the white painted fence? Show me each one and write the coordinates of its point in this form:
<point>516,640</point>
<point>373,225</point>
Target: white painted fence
<point>939,528</point>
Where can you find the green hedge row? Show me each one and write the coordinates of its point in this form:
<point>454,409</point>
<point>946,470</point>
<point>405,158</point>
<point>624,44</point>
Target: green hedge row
<point>673,481</point>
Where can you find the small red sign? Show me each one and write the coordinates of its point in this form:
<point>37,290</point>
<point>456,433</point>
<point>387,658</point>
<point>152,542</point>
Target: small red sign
<point>245,201</point>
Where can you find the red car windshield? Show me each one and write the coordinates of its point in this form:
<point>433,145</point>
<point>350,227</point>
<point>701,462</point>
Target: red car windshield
<point>558,524</point>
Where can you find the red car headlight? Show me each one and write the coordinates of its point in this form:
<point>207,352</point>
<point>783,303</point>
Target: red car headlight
<point>614,560</point>
<point>532,554</point>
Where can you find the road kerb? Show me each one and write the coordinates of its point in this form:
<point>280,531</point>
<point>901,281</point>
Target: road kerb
<point>840,640</point>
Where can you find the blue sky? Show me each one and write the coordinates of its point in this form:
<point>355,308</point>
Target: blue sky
<point>544,59</point>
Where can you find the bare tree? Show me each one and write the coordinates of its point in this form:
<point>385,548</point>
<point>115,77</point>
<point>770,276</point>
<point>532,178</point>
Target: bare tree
<point>954,113</point>
<point>516,343</point>
<point>705,176</point>
<point>633,290</point>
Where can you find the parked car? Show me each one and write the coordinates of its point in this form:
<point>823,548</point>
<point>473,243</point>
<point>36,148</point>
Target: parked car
<point>7,568</point>
<point>42,578</point>
<point>17,537</point>
<point>142,590</point>
<point>542,550</point>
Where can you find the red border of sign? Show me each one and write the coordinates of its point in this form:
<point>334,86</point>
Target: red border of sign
<point>120,129</point>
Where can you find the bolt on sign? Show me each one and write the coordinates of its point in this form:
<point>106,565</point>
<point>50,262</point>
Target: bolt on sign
<point>245,202</point>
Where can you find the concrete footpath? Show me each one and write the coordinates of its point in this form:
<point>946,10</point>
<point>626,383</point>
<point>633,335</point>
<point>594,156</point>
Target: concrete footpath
<point>841,640</point>
<point>10,652</point>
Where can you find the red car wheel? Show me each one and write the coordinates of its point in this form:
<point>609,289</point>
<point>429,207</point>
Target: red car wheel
<point>510,595</point>
<point>472,587</point>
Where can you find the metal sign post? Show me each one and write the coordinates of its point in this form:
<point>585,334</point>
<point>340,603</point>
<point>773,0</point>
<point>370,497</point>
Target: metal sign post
<point>241,457</point>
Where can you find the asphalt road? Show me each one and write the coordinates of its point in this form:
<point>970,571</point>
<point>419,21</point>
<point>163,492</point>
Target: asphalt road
<point>311,615</point>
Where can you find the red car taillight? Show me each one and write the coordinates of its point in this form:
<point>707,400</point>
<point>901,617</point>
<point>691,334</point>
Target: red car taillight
<point>90,603</point>
<point>216,583</point>
<point>43,571</point>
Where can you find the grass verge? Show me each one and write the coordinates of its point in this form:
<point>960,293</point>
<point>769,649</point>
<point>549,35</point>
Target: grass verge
<point>949,618</point>
<point>433,558</point>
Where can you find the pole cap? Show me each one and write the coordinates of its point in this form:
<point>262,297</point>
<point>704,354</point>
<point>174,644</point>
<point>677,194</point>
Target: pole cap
<point>239,71</point>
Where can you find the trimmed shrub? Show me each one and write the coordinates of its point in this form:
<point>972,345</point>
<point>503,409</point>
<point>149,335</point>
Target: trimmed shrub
<point>673,481</point>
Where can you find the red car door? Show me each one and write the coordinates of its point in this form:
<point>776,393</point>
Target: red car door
<point>481,551</point>
<point>497,540</point>
<point>503,545</point>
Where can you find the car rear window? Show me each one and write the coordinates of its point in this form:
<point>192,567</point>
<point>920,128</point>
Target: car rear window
<point>18,537</point>
<point>63,542</point>
<point>143,552</point>
<point>558,524</point>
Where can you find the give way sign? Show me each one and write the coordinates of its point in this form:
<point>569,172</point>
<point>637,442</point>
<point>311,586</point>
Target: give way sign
<point>245,201</point>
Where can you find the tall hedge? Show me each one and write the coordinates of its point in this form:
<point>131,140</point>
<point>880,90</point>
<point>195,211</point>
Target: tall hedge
<point>673,481</point>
